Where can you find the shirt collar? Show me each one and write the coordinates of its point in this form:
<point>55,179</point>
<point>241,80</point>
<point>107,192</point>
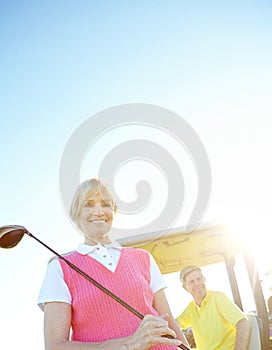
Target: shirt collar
<point>205,300</point>
<point>85,249</point>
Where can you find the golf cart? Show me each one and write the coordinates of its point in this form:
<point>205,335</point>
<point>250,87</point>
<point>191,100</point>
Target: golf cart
<point>205,246</point>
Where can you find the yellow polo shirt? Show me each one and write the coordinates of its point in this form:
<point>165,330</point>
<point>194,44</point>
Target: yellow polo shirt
<point>213,323</point>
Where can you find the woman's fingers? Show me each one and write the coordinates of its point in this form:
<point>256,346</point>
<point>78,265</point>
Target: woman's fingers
<point>154,330</point>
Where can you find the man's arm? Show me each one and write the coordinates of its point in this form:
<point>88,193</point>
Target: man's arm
<point>243,330</point>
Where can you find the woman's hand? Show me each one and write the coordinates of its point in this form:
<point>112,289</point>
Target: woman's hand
<point>151,332</point>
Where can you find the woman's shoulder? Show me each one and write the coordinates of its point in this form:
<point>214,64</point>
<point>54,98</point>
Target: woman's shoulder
<point>137,253</point>
<point>55,257</point>
<point>135,250</point>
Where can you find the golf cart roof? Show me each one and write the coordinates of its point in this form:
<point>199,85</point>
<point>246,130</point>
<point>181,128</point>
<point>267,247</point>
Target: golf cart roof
<point>177,248</point>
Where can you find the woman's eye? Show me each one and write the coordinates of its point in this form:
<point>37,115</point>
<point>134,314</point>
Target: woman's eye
<point>91,204</point>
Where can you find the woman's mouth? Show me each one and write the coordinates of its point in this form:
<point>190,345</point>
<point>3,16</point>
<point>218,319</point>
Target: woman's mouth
<point>100,221</point>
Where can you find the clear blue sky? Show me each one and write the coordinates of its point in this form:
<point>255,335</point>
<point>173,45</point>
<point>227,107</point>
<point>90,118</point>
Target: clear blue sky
<point>63,61</point>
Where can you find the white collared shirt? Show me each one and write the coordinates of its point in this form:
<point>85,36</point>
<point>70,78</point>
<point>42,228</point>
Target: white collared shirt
<point>54,288</point>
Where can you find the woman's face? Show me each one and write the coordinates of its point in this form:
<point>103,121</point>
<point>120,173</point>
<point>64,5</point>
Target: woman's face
<point>95,218</point>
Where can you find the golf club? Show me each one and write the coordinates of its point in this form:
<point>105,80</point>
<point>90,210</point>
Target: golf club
<point>11,235</point>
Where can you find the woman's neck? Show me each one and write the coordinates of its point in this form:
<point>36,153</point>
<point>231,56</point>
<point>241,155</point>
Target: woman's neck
<point>95,240</point>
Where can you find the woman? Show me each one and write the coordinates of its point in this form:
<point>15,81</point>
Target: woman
<point>78,315</point>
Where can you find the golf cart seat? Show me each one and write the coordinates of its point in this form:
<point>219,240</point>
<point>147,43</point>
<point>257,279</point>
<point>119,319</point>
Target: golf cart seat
<point>255,339</point>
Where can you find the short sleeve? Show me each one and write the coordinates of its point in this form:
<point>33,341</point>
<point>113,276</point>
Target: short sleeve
<point>184,319</point>
<point>54,288</point>
<point>156,279</point>
<point>229,310</point>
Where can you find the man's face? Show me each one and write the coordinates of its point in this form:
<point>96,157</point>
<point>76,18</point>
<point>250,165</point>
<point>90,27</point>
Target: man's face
<point>195,284</point>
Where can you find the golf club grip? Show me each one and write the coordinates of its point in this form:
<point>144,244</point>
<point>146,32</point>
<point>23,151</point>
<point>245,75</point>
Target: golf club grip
<point>181,346</point>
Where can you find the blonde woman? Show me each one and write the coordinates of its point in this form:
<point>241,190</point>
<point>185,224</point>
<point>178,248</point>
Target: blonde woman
<point>79,316</point>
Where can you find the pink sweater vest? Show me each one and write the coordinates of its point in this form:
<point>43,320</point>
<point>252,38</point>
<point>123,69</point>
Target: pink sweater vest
<point>95,315</point>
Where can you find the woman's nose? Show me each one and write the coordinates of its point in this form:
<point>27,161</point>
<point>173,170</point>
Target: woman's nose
<point>98,210</point>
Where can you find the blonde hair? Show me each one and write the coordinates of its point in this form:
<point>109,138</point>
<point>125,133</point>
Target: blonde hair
<point>188,269</point>
<point>87,189</point>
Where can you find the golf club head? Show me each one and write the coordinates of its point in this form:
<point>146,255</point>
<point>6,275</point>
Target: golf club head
<point>11,235</point>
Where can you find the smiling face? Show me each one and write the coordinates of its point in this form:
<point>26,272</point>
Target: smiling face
<point>92,211</point>
<point>95,218</point>
<point>194,283</point>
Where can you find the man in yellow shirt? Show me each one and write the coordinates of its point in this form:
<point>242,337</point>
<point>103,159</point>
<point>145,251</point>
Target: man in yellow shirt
<point>217,323</point>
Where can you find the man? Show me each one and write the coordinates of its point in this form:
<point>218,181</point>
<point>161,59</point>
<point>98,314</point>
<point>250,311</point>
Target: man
<point>217,323</point>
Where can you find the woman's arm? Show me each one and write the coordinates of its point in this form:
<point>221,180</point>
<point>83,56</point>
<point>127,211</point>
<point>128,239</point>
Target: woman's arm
<point>161,305</point>
<point>57,320</point>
